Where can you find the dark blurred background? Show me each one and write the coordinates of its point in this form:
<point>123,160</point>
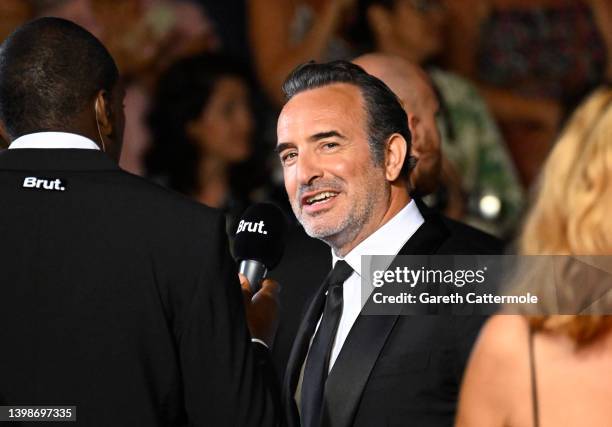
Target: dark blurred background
<point>203,84</point>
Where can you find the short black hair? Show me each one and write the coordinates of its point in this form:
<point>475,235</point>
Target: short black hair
<point>385,114</point>
<point>50,69</point>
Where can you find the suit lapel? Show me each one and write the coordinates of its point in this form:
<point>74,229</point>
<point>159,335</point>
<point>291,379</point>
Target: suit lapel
<point>367,338</point>
<point>352,368</point>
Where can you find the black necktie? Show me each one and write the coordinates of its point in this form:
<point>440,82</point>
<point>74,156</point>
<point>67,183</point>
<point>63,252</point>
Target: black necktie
<point>317,363</point>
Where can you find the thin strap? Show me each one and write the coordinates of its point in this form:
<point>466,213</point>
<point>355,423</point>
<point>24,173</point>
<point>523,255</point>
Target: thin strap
<point>534,383</point>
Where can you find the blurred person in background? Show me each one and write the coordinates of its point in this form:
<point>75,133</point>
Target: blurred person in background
<point>414,30</point>
<point>139,33</point>
<point>13,13</point>
<point>230,26</point>
<point>413,87</point>
<point>202,128</point>
<point>534,60</point>
<point>553,370</point>
<point>286,33</point>
<point>145,37</point>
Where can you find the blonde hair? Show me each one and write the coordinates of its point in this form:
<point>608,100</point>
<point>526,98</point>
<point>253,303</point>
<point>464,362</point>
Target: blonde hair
<point>573,202</point>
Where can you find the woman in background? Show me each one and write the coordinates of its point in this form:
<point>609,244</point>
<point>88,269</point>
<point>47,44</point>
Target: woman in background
<point>534,61</point>
<point>202,128</point>
<point>554,369</point>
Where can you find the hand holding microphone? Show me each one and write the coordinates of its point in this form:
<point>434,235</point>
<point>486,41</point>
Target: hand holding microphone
<point>261,309</point>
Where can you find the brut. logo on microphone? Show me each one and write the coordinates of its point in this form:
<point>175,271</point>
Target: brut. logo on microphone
<point>251,227</point>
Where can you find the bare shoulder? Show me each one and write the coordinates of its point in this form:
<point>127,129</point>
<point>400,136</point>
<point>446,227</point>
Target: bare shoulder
<point>501,351</point>
<point>503,337</point>
<point>497,376</point>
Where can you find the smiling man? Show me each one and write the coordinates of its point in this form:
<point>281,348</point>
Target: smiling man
<point>344,144</point>
<point>332,177</point>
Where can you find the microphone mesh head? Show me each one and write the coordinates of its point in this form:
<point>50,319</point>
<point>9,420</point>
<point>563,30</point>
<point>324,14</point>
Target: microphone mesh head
<point>261,235</point>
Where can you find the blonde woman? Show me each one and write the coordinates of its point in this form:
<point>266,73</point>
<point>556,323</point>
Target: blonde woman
<point>554,370</point>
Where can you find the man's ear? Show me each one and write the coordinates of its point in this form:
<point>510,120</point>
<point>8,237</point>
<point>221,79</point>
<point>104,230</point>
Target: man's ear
<point>396,153</point>
<point>414,124</point>
<point>104,112</point>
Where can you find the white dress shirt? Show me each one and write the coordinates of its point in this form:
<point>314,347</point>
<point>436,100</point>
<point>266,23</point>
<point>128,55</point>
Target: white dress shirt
<point>53,140</point>
<point>387,240</point>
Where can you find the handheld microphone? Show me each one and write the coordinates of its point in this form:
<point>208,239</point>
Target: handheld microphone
<point>260,241</point>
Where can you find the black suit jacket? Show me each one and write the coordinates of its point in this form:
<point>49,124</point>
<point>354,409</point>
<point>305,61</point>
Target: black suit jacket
<point>399,370</point>
<point>305,263</point>
<point>121,298</point>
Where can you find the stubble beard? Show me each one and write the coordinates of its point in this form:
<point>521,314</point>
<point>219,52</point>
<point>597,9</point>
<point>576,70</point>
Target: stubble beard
<point>360,211</point>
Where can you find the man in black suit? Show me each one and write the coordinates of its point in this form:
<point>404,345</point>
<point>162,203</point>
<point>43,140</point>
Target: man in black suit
<point>343,141</point>
<point>116,296</point>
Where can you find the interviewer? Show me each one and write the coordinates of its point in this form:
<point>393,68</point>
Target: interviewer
<point>116,296</point>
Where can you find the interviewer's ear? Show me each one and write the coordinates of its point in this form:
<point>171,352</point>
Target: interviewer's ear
<point>396,152</point>
<point>104,112</point>
<point>4,138</point>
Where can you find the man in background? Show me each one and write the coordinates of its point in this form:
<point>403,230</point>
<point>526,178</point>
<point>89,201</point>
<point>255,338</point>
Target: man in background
<point>414,89</point>
<point>411,85</point>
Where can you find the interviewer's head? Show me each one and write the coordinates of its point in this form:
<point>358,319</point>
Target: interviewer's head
<point>343,136</point>
<point>56,76</point>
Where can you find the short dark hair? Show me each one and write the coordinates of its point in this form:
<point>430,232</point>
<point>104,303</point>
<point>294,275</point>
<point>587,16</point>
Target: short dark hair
<point>385,114</point>
<point>50,69</point>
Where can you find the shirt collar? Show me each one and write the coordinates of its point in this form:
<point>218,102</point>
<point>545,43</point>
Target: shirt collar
<point>388,239</point>
<point>53,140</point>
